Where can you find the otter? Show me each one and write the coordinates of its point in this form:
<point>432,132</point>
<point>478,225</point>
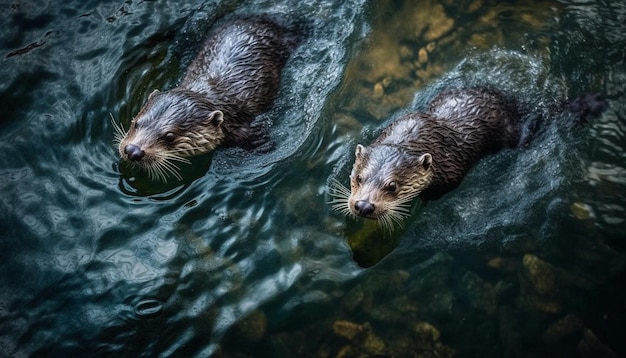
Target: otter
<point>428,154</point>
<point>234,78</point>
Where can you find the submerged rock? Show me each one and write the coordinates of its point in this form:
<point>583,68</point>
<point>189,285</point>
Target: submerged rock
<point>433,24</point>
<point>542,293</point>
<point>591,346</point>
<point>361,336</point>
<point>427,342</point>
<point>541,274</point>
<point>424,341</point>
<point>568,327</point>
<point>582,211</point>
<point>502,264</point>
<point>481,294</point>
<point>353,298</point>
<point>426,333</point>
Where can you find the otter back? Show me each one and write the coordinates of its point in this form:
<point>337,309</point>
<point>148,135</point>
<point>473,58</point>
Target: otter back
<point>460,127</point>
<point>241,61</point>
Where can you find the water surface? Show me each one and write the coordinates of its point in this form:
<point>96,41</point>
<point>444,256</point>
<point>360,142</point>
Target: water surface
<point>244,257</point>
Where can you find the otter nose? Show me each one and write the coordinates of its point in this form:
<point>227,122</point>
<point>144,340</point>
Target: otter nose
<point>364,207</point>
<point>133,152</point>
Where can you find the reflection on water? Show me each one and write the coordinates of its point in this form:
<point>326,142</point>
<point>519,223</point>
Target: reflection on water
<point>245,257</point>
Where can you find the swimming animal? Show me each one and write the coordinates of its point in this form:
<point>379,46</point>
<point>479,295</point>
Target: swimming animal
<point>233,79</point>
<point>428,154</point>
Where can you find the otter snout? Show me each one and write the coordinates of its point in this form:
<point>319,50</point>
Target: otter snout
<point>133,152</point>
<point>364,207</point>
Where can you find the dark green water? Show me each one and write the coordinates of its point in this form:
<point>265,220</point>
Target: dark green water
<point>245,257</point>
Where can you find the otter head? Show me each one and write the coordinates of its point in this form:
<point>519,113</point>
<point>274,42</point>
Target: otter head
<point>385,179</point>
<point>171,126</point>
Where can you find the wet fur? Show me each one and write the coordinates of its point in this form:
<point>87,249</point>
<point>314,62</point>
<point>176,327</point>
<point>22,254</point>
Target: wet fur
<point>460,127</point>
<point>234,78</point>
<point>429,154</point>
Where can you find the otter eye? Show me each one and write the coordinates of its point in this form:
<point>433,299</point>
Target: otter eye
<point>391,186</point>
<point>359,179</point>
<point>169,137</point>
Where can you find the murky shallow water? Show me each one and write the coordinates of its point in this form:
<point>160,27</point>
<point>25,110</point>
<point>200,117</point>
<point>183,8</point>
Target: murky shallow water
<point>244,256</point>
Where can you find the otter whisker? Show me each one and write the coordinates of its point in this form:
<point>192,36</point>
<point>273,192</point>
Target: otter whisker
<point>166,171</point>
<point>383,222</point>
<point>390,221</point>
<point>342,207</point>
<point>403,208</point>
<point>387,222</point>
<point>173,169</point>
<point>394,216</point>
<point>174,157</point>
<point>156,172</point>
<point>169,167</point>
<point>400,213</point>
<point>163,167</point>
<point>340,198</point>
<point>404,205</point>
<point>120,133</point>
<point>340,189</point>
<point>153,172</point>
<point>398,217</point>
<point>172,172</point>
<point>186,150</point>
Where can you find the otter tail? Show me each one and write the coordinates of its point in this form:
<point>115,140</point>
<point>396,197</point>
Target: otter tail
<point>294,30</point>
<point>580,110</point>
<point>586,106</point>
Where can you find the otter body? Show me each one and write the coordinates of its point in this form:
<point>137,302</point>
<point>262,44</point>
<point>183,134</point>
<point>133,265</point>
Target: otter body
<point>234,78</point>
<point>427,154</point>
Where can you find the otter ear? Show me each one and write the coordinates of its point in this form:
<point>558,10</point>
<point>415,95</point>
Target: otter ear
<point>216,118</point>
<point>153,93</point>
<point>425,160</point>
<point>359,150</point>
